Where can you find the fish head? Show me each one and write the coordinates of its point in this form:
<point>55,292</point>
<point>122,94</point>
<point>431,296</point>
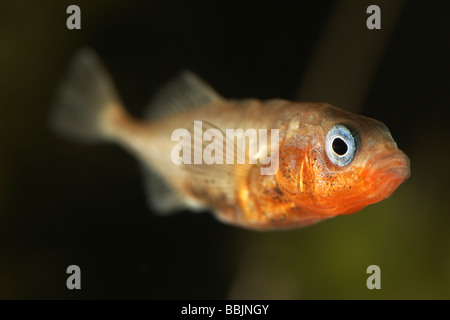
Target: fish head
<point>335,162</point>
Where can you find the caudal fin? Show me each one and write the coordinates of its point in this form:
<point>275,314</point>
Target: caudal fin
<point>86,101</point>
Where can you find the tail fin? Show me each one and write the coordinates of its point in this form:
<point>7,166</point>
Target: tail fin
<point>86,100</point>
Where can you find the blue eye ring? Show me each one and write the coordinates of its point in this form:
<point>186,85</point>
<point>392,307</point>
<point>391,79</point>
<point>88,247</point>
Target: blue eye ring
<point>340,145</point>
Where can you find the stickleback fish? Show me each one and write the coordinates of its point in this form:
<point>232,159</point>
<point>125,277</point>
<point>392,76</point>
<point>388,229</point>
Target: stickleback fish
<point>328,161</point>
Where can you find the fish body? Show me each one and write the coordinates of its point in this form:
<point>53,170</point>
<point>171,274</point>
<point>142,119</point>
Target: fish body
<point>328,161</point>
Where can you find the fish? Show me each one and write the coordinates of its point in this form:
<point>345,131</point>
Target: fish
<point>326,161</point>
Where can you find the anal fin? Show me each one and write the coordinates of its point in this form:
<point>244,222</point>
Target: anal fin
<point>161,197</point>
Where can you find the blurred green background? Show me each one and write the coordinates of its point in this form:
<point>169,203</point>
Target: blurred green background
<point>62,203</point>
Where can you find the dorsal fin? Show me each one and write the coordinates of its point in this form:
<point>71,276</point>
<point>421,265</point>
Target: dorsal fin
<point>186,91</point>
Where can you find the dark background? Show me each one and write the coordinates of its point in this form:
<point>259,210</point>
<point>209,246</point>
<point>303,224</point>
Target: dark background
<point>62,203</point>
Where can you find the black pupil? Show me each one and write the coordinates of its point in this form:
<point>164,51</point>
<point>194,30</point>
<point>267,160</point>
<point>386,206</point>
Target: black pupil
<point>339,146</point>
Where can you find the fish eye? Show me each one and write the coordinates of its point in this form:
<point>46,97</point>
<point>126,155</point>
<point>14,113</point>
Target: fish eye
<point>340,145</point>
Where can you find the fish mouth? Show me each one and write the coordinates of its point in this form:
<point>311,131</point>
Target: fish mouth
<point>390,172</point>
<point>396,165</point>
